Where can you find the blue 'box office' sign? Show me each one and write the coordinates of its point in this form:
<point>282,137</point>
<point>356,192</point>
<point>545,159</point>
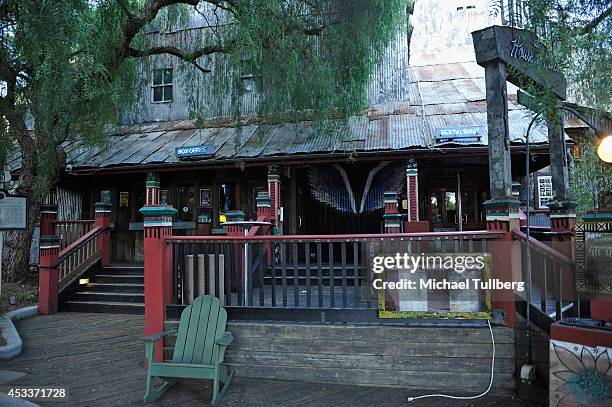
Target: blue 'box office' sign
<point>454,133</point>
<point>193,152</point>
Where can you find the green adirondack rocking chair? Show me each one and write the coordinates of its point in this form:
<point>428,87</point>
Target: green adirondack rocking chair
<point>200,347</point>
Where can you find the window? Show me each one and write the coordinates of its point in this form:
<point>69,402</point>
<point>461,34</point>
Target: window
<point>545,193</point>
<point>161,90</point>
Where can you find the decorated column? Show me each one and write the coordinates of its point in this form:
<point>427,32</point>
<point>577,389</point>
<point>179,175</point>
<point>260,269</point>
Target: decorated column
<point>235,229</point>
<point>593,263</point>
<point>103,220</point>
<point>563,225</point>
<point>48,217</point>
<point>264,205</point>
<point>502,216</point>
<point>391,217</point>
<point>274,191</point>
<point>414,224</point>
<point>157,260</point>
<point>48,275</point>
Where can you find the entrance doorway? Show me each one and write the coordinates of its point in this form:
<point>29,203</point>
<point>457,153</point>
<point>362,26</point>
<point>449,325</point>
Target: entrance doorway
<point>454,202</point>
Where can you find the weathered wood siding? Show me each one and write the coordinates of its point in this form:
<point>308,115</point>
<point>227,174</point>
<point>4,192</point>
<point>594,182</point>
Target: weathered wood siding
<point>444,359</point>
<point>192,88</point>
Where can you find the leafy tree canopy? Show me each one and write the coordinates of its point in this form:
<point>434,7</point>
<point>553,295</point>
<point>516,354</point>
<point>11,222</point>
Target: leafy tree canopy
<point>69,67</point>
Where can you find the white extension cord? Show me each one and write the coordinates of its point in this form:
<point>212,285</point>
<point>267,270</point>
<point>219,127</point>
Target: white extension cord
<point>467,397</point>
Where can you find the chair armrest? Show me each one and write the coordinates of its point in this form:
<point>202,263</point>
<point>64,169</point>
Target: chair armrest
<point>158,336</point>
<point>225,340</point>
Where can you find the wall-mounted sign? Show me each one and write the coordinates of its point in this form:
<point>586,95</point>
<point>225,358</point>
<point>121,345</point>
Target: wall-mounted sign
<point>193,152</point>
<point>459,133</point>
<point>205,198</point>
<point>13,211</point>
<point>124,199</point>
<point>105,196</point>
<point>205,217</point>
<point>523,53</point>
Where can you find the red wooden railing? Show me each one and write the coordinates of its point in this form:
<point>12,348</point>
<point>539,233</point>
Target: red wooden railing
<point>71,230</point>
<point>78,256</point>
<point>552,274</point>
<point>312,271</point>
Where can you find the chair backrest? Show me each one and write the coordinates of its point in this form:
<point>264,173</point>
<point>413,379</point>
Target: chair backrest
<point>201,324</point>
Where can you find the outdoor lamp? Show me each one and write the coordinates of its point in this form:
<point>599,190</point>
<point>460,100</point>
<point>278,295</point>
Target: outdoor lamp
<point>604,150</point>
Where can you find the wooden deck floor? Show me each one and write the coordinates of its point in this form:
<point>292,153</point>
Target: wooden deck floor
<point>99,358</point>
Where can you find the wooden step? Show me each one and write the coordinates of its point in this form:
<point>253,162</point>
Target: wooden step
<point>115,287</point>
<point>118,278</point>
<point>108,296</point>
<point>112,307</point>
<point>129,270</point>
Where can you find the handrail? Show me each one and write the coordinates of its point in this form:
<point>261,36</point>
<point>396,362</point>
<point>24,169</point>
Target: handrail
<point>253,231</point>
<point>544,249</point>
<point>75,259</point>
<point>77,244</point>
<point>75,221</point>
<point>483,234</point>
<point>71,230</point>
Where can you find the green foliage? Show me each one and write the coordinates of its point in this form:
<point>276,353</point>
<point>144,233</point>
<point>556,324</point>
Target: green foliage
<point>590,178</point>
<point>307,59</point>
<point>69,84</point>
<point>579,44</point>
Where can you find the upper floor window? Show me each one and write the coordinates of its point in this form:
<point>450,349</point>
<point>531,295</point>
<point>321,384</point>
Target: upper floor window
<point>161,90</point>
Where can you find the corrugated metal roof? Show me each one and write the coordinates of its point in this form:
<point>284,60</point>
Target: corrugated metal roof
<point>452,95</point>
<point>391,132</point>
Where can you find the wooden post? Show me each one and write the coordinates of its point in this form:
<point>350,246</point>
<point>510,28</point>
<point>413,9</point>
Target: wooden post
<point>48,217</point>
<point>48,275</point>
<point>502,217</point>
<point>157,261</point>
<point>391,216</point>
<point>264,207</point>
<point>274,191</point>
<point>600,222</point>
<point>189,275</point>
<point>413,224</point>
<point>558,157</point>
<point>563,229</point>
<point>237,262</point>
<point>500,172</point>
<point>202,275</point>
<point>211,275</point>
<point>103,220</point>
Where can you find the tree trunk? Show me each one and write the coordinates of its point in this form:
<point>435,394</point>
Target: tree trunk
<point>16,255</point>
<point>35,186</point>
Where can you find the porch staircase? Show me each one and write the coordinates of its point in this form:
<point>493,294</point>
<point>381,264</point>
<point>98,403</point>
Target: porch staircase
<point>115,289</point>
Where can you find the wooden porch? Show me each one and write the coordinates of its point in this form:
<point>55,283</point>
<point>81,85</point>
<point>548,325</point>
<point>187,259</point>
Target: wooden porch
<point>99,359</point>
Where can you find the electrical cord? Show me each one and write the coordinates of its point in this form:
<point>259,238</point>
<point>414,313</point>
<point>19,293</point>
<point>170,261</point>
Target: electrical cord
<point>467,397</point>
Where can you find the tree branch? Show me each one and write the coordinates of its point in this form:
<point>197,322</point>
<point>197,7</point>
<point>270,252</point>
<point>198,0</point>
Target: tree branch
<point>595,22</point>
<point>190,57</point>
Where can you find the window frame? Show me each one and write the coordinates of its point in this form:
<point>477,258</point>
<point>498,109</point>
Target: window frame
<point>162,85</point>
